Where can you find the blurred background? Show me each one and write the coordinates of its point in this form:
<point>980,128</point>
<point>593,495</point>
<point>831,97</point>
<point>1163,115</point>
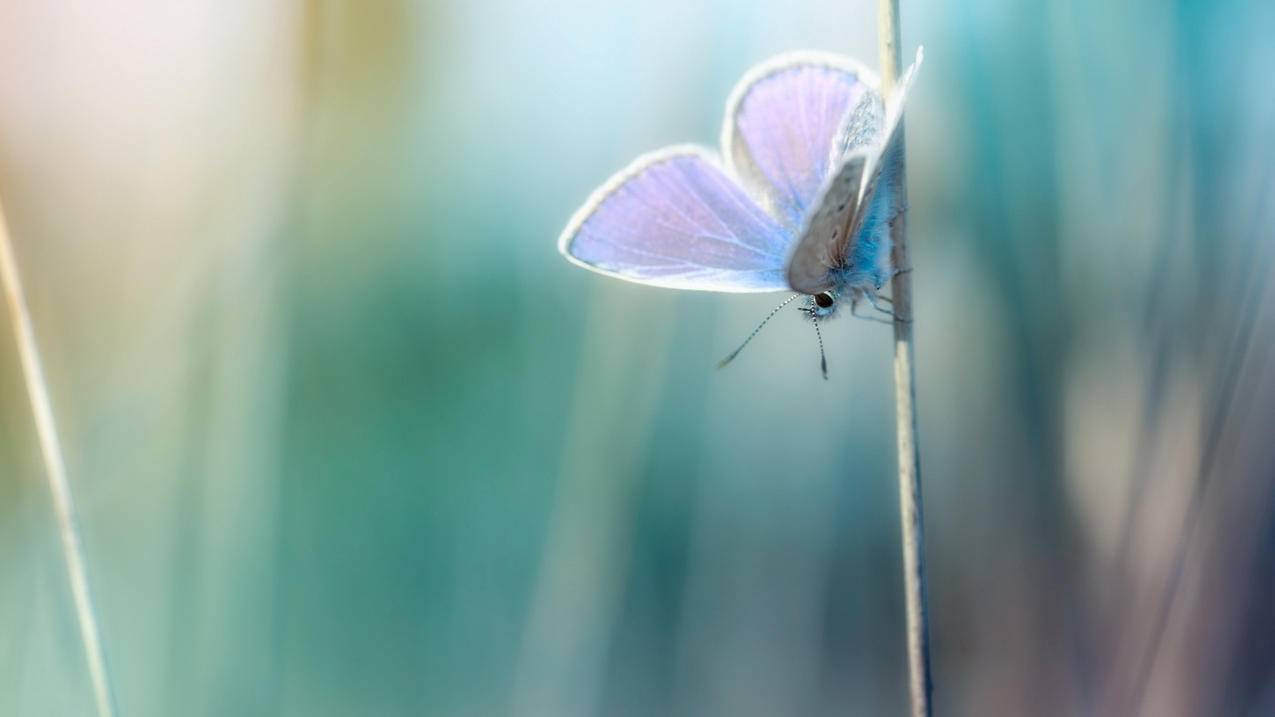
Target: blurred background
<point>348,436</point>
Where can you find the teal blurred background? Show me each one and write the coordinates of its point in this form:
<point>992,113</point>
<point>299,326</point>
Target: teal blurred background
<point>349,437</point>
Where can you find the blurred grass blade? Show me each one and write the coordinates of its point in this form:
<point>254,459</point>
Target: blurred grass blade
<point>1252,288</point>
<point>55,470</point>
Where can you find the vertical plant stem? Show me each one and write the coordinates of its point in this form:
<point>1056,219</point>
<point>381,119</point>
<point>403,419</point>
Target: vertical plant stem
<point>920,683</point>
<point>55,469</point>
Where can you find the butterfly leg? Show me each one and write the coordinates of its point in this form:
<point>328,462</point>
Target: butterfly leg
<point>872,299</point>
<point>854,305</point>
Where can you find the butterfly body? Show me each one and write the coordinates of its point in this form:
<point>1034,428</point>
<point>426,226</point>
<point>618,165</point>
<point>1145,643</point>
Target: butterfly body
<point>800,201</point>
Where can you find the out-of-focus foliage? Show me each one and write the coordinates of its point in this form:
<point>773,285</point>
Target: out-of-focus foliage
<point>349,437</point>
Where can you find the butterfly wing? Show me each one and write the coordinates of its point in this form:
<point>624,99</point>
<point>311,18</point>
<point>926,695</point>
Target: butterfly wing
<point>783,124</point>
<point>674,218</point>
<point>829,235</point>
<point>808,268</point>
<point>884,156</point>
<point>863,125</point>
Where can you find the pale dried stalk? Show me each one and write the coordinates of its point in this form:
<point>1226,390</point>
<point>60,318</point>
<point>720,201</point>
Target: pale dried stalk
<point>55,470</point>
<point>920,682</point>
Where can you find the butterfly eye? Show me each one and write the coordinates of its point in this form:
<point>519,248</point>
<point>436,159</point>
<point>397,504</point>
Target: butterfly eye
<point>823,300</point>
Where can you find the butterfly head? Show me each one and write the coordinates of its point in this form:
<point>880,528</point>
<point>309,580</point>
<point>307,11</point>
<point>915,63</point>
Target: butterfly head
<point>821,305</point>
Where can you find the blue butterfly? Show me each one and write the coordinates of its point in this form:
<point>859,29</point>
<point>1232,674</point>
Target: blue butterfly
<point>803,201</point>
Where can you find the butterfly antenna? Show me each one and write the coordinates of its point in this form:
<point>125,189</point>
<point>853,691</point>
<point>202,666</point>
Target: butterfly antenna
<point>823,360</point>
<point>769,316</point>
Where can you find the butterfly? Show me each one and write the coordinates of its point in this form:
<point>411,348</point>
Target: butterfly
<point>802,198</point>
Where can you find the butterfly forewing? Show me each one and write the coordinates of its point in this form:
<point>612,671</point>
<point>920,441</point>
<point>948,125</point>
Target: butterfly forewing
<point>674,218</point>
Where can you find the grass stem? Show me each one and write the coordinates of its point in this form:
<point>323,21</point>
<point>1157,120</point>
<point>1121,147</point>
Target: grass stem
<point>55,469</point>
<point>920,682</point>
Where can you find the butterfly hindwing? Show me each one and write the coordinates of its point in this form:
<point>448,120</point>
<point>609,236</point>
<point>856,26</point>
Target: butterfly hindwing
<point>782,127</point>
